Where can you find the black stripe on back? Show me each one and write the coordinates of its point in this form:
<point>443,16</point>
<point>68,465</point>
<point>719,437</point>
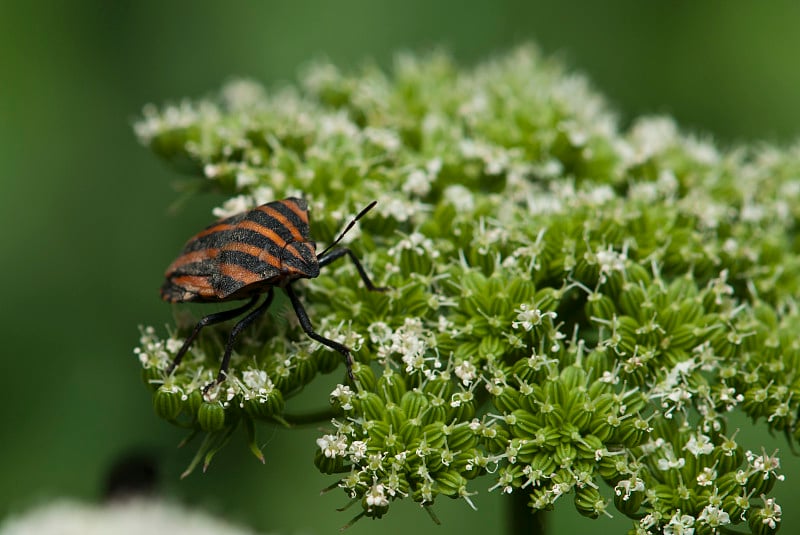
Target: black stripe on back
<point>203,267</point>
<point>215,240</point>
<point>268,222</point>
<point>247,261</point>
<point>251,237</point>
<point>295,220</point>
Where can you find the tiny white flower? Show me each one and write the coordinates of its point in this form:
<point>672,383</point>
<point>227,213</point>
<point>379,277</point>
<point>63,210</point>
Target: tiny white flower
<point>233,206</point>
<point>707,477</point>
<point>332,445</point>
<point>713,516</point>
<point>418,183</point>
<point>528,317</point>
<point>344,395</point>
<point>699,444</point>
<point>358,450</point>
<point>465,371</point>
<point>376,497</point>
<point>680,524</point>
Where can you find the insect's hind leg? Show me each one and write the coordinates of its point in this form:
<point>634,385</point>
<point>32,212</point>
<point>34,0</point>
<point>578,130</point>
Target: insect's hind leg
<point>237,329</point>
<point>211,319</point>
<point>305,323</point>
<point>336,254</point>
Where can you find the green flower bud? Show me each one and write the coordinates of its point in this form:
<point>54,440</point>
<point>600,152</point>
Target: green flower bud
<point>263,407</point>
<point>564,454</point>
<point>377,431</point>
<point>329,465</point>
<point>507,400</point>
<point>588,446</point>
<point>495,438</point>
<point>152,377</point>
<point>464,411</point>
<point>437,411</point>
<point>305,368</point>
<point>522,424</point>
<point>683,336</point>
<point>736,506</point>
<point>491,347</point>
<point>460,437</point>
<point>764,520</point>
<point>599,306</point>
<point>192,404</point>
<point>574,378</point>
<point>167,403</point>
<point>586,271</point>
<point>547,299</point>
<point>461,460</point>
<point>391,386</point>
<point>589,502</point>
<point>425,493</point>
<point>728,455</point>
<point>520,290</point>
<point>633,432</point>
<point>543,461</point>
<point>631,299</point>
<point>370,405</point>
<point>545,438</point>
<point>628,503</point>
<point>395,416</point>
<point>364,376</point>
<point>612,467</point>
<point>626,330</point>
<point>434,434</point>
<point>414,403</point>
<point>211,417</point>
<point>760,483</point>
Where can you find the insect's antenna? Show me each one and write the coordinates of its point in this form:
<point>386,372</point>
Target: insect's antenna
<point>369,207</point>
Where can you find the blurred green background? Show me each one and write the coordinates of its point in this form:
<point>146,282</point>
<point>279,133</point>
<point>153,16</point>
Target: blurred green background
<point>86,229</point>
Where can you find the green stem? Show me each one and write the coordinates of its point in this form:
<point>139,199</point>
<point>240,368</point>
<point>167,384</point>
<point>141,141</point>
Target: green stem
<point>520,517</point>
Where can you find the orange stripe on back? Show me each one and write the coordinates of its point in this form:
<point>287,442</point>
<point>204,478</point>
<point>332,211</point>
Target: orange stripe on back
<point>195,284</point>
<point>240,274</point>
<point>299,212</point>
<point>211,230</point>
<point>258,252</point>
<point>264,231</point>
<point>283,221</point>
<point>189,258</point>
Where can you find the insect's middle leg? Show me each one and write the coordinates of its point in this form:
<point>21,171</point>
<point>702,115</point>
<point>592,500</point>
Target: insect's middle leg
<point>237,329</point>
<point>211,319</point>
<point>305,323</point>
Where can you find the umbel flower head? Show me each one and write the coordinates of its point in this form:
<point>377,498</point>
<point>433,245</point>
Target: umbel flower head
<point>572,304</point>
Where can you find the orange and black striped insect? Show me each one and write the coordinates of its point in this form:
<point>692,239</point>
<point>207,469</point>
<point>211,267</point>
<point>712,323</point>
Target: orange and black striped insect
<point>247,255</point>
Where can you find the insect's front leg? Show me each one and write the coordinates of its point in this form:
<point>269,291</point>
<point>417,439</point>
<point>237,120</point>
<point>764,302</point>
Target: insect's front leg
<point>305,323</point>
<point>336,254</point>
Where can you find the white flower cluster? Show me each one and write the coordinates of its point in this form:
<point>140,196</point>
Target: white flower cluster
<point>412,342</point>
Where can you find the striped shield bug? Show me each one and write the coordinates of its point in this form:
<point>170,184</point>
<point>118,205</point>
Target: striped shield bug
<point>247,255</point>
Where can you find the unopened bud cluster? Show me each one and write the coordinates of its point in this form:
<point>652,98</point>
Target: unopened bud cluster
<point>573,307</point>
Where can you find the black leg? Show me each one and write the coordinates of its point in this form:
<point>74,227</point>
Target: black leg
<point>327,258</point>
<point>237,329</point>
<point>211,319</point>
<point>305,323</point>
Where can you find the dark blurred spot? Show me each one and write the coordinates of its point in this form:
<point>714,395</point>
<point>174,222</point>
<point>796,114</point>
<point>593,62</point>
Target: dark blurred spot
<point>132,475</point>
